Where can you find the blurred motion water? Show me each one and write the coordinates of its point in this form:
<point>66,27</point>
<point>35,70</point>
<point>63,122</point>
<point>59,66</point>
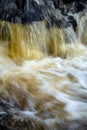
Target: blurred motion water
<point>43,76</point>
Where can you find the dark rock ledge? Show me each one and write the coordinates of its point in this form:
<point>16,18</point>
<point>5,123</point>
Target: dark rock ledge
<point>29,11</point>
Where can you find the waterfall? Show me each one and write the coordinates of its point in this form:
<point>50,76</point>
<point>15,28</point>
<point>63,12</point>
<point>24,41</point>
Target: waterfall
<point>43,75</point>
<point>36,40</point>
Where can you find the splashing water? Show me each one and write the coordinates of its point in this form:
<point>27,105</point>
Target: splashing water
<point>43,76</point>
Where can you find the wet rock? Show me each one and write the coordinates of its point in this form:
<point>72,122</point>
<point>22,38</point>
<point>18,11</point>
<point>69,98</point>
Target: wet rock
<point>5,127</point>
<point>56,3</point>
<point>11,5</point>
<point>68,1</point>
<point>7,4</point>
<point>72,21</point>
<point>29,11</point>
<point>79,6</point>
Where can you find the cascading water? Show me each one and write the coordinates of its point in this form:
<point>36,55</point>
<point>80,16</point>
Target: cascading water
<point>43,76</point>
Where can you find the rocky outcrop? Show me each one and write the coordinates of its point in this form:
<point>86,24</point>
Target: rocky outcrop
<point>29,11</point>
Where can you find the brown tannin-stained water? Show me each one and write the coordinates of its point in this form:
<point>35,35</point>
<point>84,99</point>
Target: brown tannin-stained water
<point>43,76</point>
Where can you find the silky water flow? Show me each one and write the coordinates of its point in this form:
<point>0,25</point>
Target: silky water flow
<point>43,75</point>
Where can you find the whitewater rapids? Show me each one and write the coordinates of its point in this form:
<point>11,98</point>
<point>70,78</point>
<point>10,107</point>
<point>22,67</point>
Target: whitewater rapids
<point>43,93</point>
